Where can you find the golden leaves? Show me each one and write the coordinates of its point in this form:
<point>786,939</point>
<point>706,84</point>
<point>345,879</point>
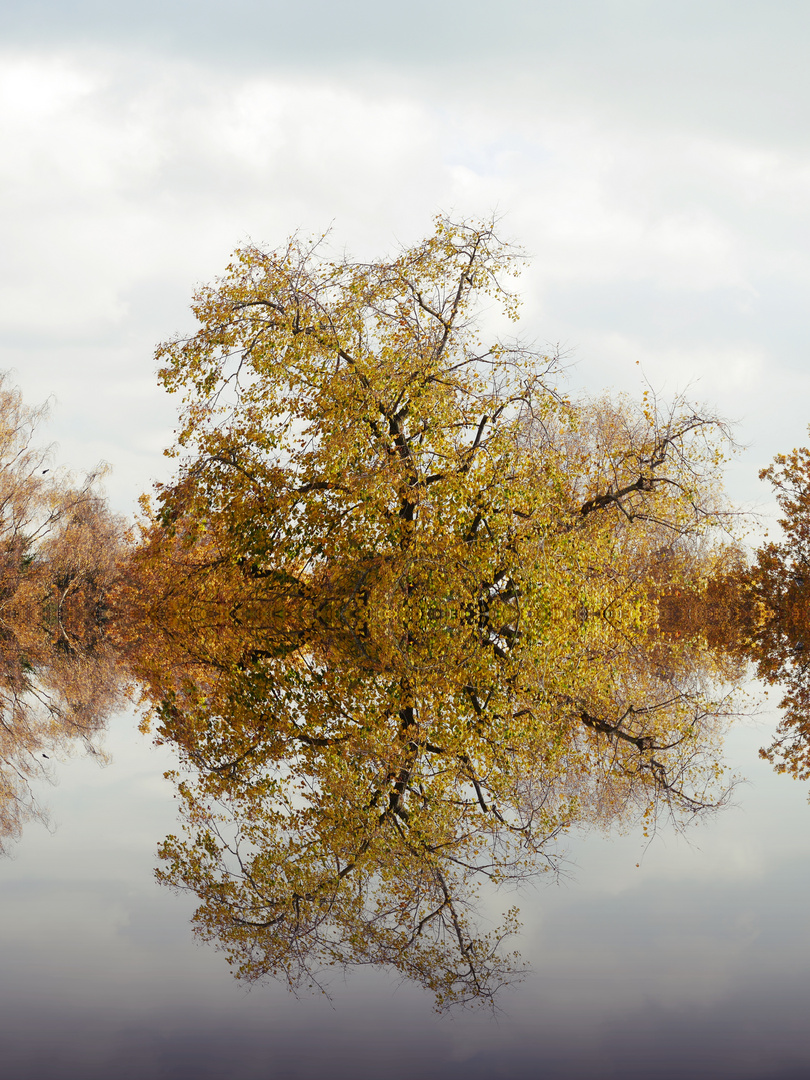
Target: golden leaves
<point>403,611</point>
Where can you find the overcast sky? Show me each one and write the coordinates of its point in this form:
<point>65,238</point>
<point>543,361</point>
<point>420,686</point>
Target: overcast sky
<point>654,160</point>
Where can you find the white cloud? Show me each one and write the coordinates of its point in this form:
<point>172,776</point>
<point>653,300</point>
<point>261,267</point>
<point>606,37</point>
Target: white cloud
<point>128,179</point>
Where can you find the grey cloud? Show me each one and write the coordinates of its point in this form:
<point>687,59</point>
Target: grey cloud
<point>739,67</point>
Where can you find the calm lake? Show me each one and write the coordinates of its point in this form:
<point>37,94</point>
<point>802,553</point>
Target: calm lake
<point>696,961</point>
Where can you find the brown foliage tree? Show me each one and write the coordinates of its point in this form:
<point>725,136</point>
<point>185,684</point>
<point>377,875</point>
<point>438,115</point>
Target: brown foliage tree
<point>778,587</point>
<point>59,678</point>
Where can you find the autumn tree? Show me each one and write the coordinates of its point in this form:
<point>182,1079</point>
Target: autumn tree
<point>59,677</point>
<point>778,591</point>
<point>401,597</point>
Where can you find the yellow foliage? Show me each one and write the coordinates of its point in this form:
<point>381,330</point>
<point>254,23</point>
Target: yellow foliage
<point>401,623</point>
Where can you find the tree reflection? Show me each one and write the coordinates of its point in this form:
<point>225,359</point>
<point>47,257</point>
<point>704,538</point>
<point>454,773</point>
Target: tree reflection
<point>342,810</point>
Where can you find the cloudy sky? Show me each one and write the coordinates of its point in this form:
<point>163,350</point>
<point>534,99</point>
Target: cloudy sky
<point>653,158</point>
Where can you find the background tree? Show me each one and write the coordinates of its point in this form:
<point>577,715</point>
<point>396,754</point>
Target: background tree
<point>778,587</point>
<point>59,546</point>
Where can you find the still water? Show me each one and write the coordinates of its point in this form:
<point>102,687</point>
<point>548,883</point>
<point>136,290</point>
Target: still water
<point>696,961</point>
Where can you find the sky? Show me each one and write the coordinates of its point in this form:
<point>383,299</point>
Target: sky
<point>654,161</point>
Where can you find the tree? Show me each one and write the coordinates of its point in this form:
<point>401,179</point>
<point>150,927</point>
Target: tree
<point>778,588</point>
<point>59,678</point>
<point>402,597</point>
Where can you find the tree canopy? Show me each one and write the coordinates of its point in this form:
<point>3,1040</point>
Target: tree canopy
<point>777,590</point>
<point>59,555</point>
<point>402,602</point>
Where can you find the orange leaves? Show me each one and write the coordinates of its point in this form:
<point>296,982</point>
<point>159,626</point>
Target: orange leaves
<point>779,588</point>
<point>59,549</point>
